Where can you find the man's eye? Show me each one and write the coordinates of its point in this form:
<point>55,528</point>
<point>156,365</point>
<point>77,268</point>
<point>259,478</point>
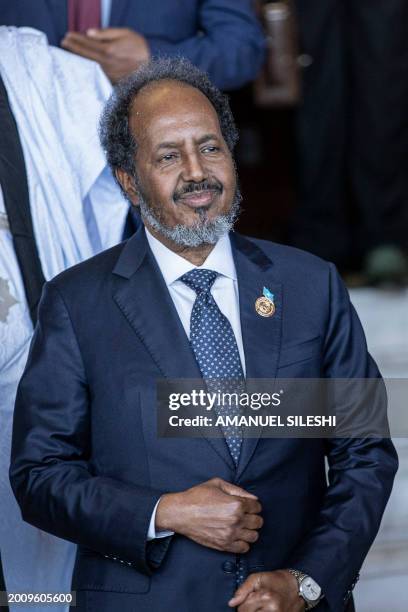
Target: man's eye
<point>210,149</point>
<point>168,157</point>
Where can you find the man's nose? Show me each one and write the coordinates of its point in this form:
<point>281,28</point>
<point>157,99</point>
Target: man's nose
<point>194,168</point>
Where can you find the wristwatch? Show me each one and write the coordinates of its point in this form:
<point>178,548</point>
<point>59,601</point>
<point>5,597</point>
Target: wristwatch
<point>309,590</point>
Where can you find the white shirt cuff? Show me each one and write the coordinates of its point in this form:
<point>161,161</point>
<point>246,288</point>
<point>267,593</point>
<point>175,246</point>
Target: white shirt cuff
<point>152,534</point>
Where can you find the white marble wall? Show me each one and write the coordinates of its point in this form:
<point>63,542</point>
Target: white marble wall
<point>383,585</point>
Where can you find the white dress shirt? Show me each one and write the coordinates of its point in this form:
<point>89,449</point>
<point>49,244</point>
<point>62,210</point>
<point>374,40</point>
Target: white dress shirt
<point>106,8</point>
<point>224,292</point>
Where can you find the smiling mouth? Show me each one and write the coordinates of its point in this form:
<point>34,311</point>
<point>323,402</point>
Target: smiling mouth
<point>197,199</point>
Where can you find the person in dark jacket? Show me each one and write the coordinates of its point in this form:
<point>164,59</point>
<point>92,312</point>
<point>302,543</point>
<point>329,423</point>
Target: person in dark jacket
<point>174,524</point>
<point>222,37</point>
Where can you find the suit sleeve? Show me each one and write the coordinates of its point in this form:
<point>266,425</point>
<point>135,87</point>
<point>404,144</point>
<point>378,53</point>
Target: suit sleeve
<point>229,44</point>
<point>361,470</point>
<point>50,472</point>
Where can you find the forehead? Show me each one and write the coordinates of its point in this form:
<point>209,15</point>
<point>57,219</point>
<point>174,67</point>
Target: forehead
<point>166,109</point>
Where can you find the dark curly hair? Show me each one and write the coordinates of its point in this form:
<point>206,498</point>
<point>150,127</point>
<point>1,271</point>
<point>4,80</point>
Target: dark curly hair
<point>114,132</point>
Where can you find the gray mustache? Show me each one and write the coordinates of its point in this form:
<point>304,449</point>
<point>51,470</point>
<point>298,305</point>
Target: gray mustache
<point>197,187</point>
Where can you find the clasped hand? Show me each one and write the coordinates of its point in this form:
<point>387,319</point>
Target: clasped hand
<point>268,592</point>
<point>223,516</point>
<point>216,514</point>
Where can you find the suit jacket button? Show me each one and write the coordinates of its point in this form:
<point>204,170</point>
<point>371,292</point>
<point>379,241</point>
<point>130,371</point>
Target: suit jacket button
<point>229,567</point>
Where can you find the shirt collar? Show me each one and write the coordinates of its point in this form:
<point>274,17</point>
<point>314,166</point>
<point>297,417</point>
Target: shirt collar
<point>173,266</point>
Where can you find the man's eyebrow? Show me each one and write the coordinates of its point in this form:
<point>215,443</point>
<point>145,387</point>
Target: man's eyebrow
<point>167,145</point>
<point>175,145</point>
<point>207,137</point>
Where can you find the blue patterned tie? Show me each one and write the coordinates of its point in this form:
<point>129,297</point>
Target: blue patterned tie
<point>214,344</point>
<point>216,351</point>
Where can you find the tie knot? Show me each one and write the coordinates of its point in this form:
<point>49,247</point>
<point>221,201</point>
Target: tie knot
<point>199,279</point>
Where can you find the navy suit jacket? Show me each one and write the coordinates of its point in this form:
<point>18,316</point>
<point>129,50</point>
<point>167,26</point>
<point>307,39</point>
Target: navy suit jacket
<point>88,466</point>
<point>222,37</point>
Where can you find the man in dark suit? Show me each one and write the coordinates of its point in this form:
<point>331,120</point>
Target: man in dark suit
<point>182,523</point>
<point>222,37</point>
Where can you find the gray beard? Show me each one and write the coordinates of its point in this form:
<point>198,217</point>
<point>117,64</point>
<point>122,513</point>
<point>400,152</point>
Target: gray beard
<point>201,232</point>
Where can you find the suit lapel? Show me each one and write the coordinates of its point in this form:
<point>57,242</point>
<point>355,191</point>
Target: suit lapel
<point>142,296</point>
<point>261,335</point>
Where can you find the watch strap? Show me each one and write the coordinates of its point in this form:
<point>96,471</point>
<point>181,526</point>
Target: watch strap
<point>309,605</point>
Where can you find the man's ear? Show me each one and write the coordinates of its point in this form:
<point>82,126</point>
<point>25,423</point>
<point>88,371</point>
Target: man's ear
<point>128,184</point>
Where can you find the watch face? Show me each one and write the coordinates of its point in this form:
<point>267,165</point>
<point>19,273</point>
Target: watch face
<point>310,589</point>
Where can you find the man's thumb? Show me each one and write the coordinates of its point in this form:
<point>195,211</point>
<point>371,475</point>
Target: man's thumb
<point>232,489</point>
<point>93,32</point>
<point>242,593</point>
<point>105,33</point>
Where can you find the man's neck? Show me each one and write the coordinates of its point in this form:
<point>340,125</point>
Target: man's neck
<point>195,255</point>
